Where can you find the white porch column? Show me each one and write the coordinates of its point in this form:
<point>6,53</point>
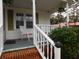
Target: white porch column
<point>34,12</point>
<point>67,13</point>
<point>34,21</point>
<point>1,26</point>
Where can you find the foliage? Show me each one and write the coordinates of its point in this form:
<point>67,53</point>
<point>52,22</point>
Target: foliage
<point>60,9</point>
<point>57,19</point>
<point>74,18</point>
<point>8,2</point>
<point>76,0</point>
<point>69,37</point>
<point>54,21</point>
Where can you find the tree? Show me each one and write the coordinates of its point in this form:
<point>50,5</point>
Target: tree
<point>60,10</point>
<point>74,18</point>
<point>8,2</point>
<point>57,19</point>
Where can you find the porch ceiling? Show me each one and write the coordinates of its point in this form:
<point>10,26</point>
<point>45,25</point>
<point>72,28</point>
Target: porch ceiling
<point>43,5</point>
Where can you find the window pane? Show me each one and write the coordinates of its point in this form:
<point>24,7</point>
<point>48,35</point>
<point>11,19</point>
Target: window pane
<point>21,23</point>
<point>19,14</point>
<point>19,20</point>
<point>17,24</point>
<point>29,24</point>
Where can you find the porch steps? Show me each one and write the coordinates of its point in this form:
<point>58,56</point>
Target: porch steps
<point>30,53</point>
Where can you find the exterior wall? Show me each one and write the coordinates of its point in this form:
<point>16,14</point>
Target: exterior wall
<point>44,18</point>
<point>15,34</point>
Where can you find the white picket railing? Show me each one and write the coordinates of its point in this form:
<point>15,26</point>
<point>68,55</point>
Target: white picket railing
<point>47,28</point>
<point>45,45</point>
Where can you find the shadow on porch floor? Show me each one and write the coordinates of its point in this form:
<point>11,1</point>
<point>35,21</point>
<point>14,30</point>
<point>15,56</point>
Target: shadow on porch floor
<point>30,53</point>
<point>19,44</point>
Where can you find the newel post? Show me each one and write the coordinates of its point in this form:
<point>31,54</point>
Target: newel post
<point>57,50</point>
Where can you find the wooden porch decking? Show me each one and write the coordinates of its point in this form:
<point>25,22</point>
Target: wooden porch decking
<point>30,53</point>
<point>18,44</point>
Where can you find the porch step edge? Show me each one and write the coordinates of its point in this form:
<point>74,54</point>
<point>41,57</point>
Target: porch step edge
<point>8,50</point>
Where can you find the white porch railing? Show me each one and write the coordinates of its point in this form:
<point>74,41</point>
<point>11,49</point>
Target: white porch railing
<point>46,47</point>
<point>47,28</point>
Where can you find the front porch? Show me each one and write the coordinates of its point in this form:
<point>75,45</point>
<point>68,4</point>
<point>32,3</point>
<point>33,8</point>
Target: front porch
<point>22,21</point>
<point>18,23</point>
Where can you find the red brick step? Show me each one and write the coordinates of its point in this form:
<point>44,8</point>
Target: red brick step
<point>30,53</point>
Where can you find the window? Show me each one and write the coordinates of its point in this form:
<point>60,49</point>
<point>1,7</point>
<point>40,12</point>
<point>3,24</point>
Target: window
<point>19,20</point>
<point>29,24</point>
<point>37,18</point>
<point>29,21</point>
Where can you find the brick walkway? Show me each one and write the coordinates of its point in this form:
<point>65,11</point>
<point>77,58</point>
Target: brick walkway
<point>31,53</point>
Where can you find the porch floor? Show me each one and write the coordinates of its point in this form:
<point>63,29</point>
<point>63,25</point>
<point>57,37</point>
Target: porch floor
<point>19,44</point>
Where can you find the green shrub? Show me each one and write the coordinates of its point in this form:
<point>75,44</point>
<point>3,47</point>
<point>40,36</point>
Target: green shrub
<point>69,37</point>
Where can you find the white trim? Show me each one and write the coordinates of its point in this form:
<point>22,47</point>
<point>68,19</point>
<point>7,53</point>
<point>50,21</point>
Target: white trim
<point>1,51</point>
<point>57,52</point>
<point>1,26</point>
<point>34,19</point>
<point>34,12</point>
<point>67,14</point>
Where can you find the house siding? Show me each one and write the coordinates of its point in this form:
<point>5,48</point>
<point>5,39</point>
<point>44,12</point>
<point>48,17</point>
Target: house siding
<point>44,18</point>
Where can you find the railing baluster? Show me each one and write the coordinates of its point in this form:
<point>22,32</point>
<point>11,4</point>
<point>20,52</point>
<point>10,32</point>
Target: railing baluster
<point>37,38</point>
<point>38,41</point>
<point>47,50</point>
<point>51,51</point>
<point>34,35</point>
<point>50,27</point>
<point>43,44</point>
